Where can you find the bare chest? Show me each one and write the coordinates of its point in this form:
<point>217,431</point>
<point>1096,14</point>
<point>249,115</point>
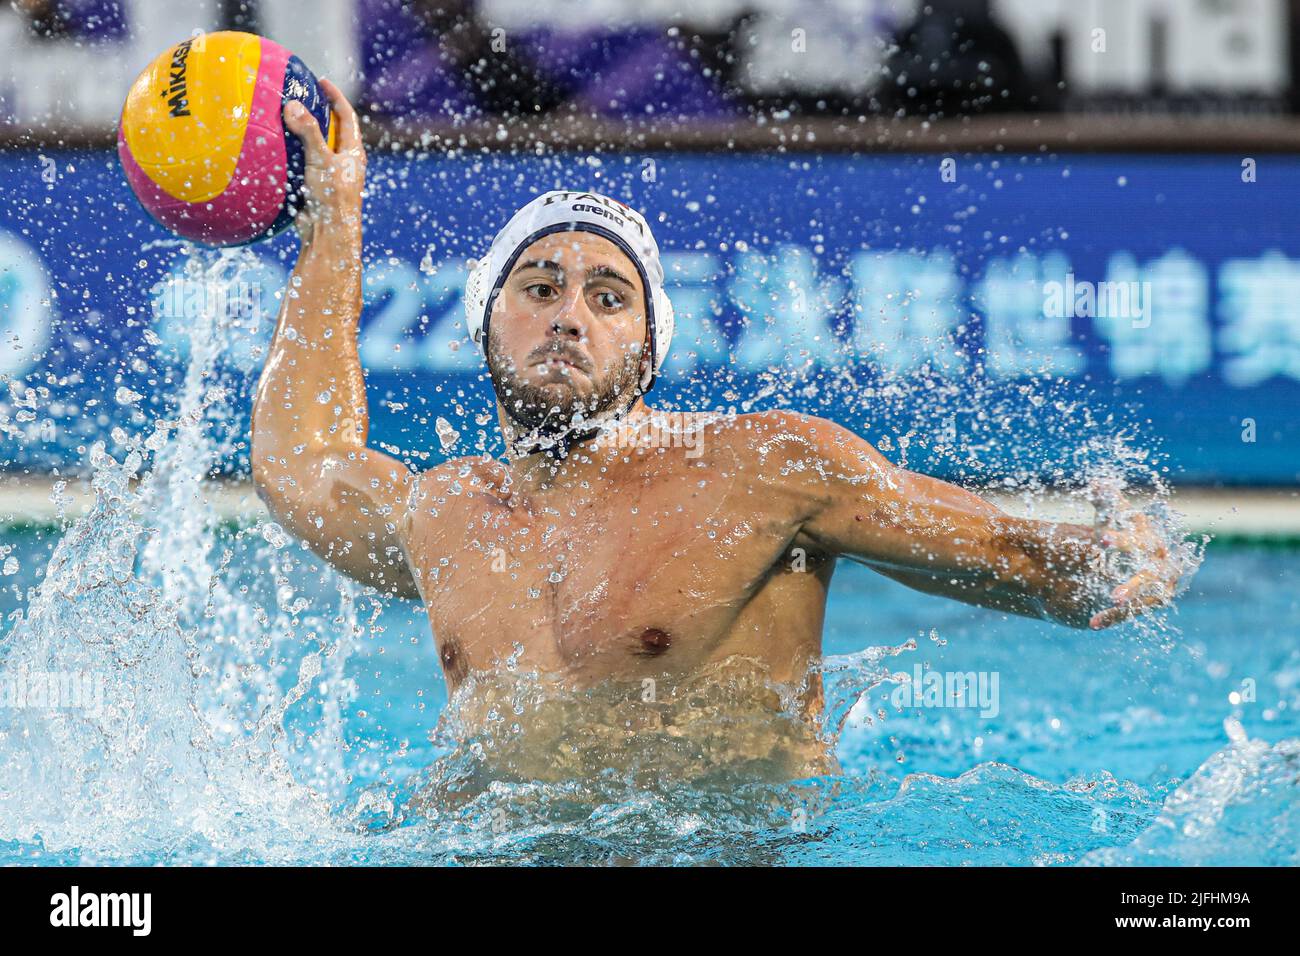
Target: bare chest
<point>649,580</point>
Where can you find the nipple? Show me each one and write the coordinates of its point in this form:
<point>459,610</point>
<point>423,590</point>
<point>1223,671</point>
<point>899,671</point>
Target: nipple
<point>655,641</point>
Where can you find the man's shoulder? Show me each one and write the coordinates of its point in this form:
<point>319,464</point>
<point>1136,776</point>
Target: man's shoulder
<point>758,432</point>
<point>782,447</point>
<point>458,478</point>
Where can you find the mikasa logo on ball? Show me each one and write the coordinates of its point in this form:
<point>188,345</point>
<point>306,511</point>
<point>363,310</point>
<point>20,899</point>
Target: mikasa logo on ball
<point>177,98</point>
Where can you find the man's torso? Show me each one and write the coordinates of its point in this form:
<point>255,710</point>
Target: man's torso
<point>656,565</point>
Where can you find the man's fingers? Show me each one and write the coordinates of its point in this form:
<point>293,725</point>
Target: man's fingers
<point>1114,615</point>
<point>1117,539</point>
<point>302,124</point>
<point>1134,540</point>
<point>1133,598</point>
<point>349,125</point>
<point>1134,585</point>
<point>1105,619</point>
<point>1142,584</point>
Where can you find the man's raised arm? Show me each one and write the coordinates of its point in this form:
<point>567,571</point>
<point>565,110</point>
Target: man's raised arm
<point>939,538</point>
<point>310,461</point>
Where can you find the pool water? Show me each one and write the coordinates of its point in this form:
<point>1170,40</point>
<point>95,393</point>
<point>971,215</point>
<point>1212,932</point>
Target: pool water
<point>278,716</point>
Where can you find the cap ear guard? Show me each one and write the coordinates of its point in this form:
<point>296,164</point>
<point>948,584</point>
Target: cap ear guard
<point>477,288</point>
<point>665,321</point>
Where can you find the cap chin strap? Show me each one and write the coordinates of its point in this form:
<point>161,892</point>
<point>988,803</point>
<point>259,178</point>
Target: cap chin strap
<point>556,445</point>
<point>559,441</point>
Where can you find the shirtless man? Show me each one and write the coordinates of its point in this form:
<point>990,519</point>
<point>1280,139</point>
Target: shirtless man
<point>586,558</point>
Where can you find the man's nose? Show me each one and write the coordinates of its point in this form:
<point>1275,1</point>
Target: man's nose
<point>570,319</point>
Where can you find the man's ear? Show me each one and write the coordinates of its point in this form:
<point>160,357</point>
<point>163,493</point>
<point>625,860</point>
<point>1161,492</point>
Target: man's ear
<point>646,353</point>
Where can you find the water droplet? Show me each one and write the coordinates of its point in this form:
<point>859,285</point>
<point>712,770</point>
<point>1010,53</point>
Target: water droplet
<point>447,435</point>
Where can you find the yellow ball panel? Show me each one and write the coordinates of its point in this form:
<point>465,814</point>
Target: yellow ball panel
<point>186,115</point>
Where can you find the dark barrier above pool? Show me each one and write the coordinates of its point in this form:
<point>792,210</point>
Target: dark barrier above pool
<point>1161,290</point>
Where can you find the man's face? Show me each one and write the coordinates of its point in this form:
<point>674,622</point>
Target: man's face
<point>567,331</point>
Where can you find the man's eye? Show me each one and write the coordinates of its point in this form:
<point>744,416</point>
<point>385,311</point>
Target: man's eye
<point>541,290</point>
<point>609,300</point>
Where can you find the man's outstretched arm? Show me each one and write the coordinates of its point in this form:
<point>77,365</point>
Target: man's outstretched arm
<point>310,461</point>
<point>942,539</point>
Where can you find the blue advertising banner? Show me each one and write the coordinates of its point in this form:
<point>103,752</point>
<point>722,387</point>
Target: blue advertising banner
<point>967,313</point>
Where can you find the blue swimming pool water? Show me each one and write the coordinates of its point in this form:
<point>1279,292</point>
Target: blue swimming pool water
<point>1122,747</point>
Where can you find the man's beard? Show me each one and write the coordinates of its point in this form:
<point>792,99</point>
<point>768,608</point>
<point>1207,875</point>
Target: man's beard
<point>553,417</point>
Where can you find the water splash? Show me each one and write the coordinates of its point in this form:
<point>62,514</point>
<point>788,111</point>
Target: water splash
<point>187,748</point>
<point>1241,804</point>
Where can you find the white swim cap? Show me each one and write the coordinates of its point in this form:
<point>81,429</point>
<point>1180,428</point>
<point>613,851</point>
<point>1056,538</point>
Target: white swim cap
<point>570,211</point>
